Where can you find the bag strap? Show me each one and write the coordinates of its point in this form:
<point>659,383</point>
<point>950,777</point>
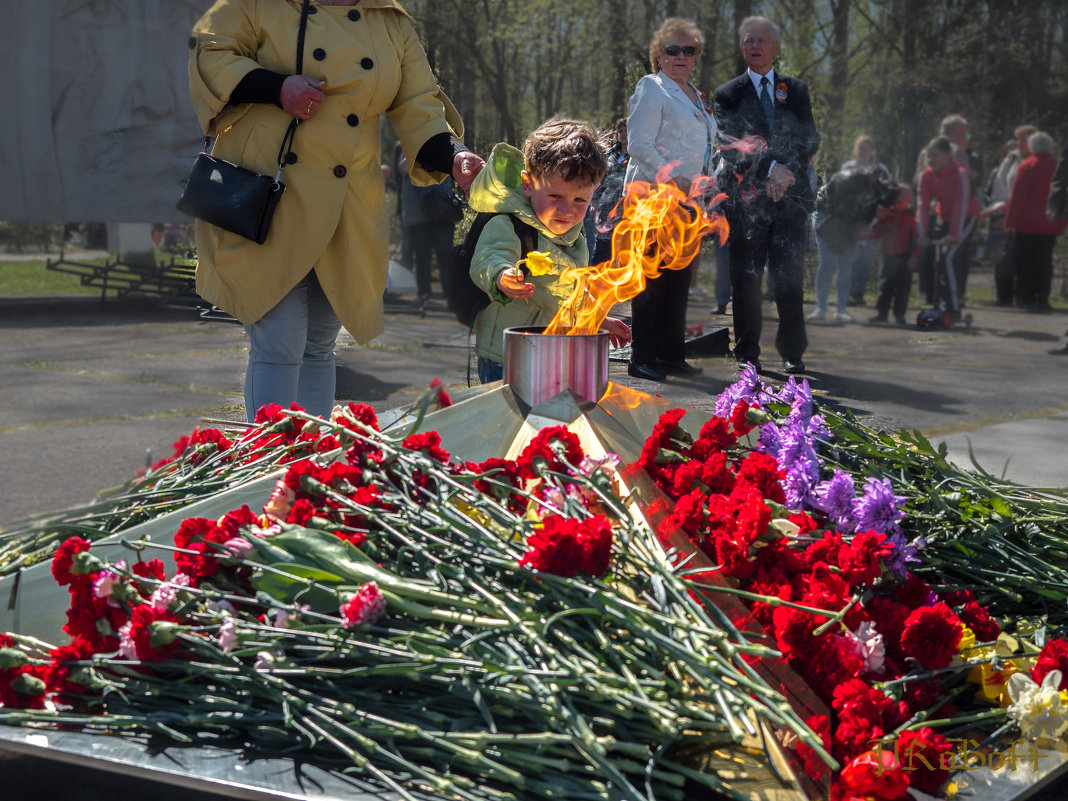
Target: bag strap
<point>287,141</point>
<point>526,234</point>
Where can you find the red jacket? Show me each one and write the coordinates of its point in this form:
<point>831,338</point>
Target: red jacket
<point>897,232</point>
<point>1026,212</point>
<point>950,191</point>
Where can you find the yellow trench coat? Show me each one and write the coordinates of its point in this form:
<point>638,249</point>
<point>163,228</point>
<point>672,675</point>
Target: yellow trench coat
<point>332,215</point>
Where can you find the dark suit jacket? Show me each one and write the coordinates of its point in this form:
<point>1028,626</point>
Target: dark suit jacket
<point>739,114</point>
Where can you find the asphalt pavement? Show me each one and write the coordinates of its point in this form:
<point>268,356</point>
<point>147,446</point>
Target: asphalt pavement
<point>92,391</point>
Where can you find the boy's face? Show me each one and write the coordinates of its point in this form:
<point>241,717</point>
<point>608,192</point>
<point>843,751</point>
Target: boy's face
<point>904,199</point>
<point>559,204</point>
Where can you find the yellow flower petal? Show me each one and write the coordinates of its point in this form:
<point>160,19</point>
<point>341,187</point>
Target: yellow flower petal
<point>539,263</point>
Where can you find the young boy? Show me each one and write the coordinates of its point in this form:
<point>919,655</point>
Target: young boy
<point>900,245</point>
<point>548,186</point>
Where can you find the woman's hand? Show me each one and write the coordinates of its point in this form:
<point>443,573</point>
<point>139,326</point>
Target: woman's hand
<point>465,166</point>
<point>301,96</point>
<point>513,284</point>
<point>618,331</point>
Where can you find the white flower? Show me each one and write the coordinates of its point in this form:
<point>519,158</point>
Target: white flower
<point>264,660</point>
<point>228,635</point>
<point>1038,708</point>
<point>607,464</point>
<point>127,649</point>
<point>870,647</point>
<point>167,593</point>
<point>283,618</point>
<point>104,583</point>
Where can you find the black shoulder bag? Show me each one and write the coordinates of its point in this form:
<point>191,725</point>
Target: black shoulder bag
<point>232,197</point>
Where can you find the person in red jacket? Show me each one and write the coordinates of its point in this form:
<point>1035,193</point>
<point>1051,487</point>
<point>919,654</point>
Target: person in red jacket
<point>1034,235</point>
<point>946,187</point>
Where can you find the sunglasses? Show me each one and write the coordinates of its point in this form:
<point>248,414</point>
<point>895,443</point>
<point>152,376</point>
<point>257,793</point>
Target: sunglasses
<point>673,50</point>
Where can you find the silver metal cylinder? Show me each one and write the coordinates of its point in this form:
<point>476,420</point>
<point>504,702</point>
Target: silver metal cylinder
<point>540,366</point>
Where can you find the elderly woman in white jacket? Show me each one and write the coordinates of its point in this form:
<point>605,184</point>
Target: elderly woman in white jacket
<point>670,135</point>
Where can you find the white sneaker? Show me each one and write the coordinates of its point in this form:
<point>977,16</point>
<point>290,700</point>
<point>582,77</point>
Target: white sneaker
<point>817,316</point>
<point>844,317</point>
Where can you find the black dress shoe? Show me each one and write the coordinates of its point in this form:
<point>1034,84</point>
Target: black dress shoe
<point>646,371</point>
<point>743,363</point>
<point>793,366</point>
<point>1061,351</point>
<point>679,367</point>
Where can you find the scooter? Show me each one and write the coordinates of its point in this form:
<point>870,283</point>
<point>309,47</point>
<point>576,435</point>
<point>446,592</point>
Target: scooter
<point>938,318</point>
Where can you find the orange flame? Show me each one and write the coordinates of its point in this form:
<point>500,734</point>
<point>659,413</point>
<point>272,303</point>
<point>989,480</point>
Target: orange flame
<point>661,229</point>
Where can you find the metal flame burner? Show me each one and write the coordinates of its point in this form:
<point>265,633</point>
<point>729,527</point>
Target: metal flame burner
<point>540,366</point>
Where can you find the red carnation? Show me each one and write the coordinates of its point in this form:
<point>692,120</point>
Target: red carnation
<point>153,633</point>
<point>978,619</point>
<point>541,452</point>
<point>804,522</point>
<point>362,413</point>
<point>1054,656</point>
<point>861,559</point>
<point>920,753</point>
<point>763,472</point>
<point>872,776</point>
<point>739,420</point>
<point>663,438</point>
<point>64,560</point>
<point>155,569</point>
<point>825,550</point>
<point>429,444</point>
<point>931,636</point>
<point>688,515</point>
<point>564,546</point>
<point>302,512</point>
<point>915,592</point>
<point>815,767</point>
<point>440,395</point>
<point>715,437</point>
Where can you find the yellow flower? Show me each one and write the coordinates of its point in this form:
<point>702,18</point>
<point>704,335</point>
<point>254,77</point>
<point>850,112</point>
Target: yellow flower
<point>539,263</point>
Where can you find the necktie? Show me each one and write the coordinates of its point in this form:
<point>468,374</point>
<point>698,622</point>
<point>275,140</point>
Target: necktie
<point>767,105</point>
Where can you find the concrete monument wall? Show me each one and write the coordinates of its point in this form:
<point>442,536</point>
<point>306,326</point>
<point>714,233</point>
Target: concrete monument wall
<point>98,126</point>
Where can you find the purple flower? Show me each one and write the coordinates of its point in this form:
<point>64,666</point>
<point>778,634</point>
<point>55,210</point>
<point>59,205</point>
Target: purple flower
<point>770,441</point>
<point>748,387</point>
<point>835,497</point>
<point>799,459</point>
<point>903,553</point>
<point>817,428</point>
<point>877,509</point>
<point>789,389</point>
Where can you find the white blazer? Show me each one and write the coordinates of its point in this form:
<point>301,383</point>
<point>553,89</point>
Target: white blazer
<point>665,126</point>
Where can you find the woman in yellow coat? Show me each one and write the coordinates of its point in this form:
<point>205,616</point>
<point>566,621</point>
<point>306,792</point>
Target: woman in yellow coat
<point>324,263</point>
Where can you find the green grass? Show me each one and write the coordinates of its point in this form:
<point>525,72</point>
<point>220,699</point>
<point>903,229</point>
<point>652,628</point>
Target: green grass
<point>23,278</point>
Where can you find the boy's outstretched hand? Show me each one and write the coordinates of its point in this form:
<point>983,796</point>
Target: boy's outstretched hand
<point>618,331</point>
<point>513,284</point>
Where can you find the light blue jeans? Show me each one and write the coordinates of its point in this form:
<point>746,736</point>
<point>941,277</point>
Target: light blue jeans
<point>291,352</point>
<point>838,264</point>
<point>861,271</point>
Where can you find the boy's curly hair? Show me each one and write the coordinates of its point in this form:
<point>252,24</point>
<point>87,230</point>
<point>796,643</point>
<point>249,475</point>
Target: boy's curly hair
<point>568,148</point>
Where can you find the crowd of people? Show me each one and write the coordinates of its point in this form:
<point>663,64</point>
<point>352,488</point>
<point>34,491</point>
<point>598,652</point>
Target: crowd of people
<point>324,262</point>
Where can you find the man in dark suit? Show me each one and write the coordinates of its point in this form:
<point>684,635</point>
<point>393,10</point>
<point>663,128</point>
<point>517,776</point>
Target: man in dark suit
<point>767,138</point>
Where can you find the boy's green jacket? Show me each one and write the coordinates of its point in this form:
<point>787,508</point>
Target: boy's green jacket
<point>498,188</point>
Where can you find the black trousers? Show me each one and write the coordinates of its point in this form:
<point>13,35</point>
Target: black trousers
<point>763,232</point>
<point>895,284</point>
<point>431,240</point>
<point>658,327</point>
<point>1033,259</point>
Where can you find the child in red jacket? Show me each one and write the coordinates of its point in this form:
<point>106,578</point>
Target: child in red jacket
<point>899,242</point>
